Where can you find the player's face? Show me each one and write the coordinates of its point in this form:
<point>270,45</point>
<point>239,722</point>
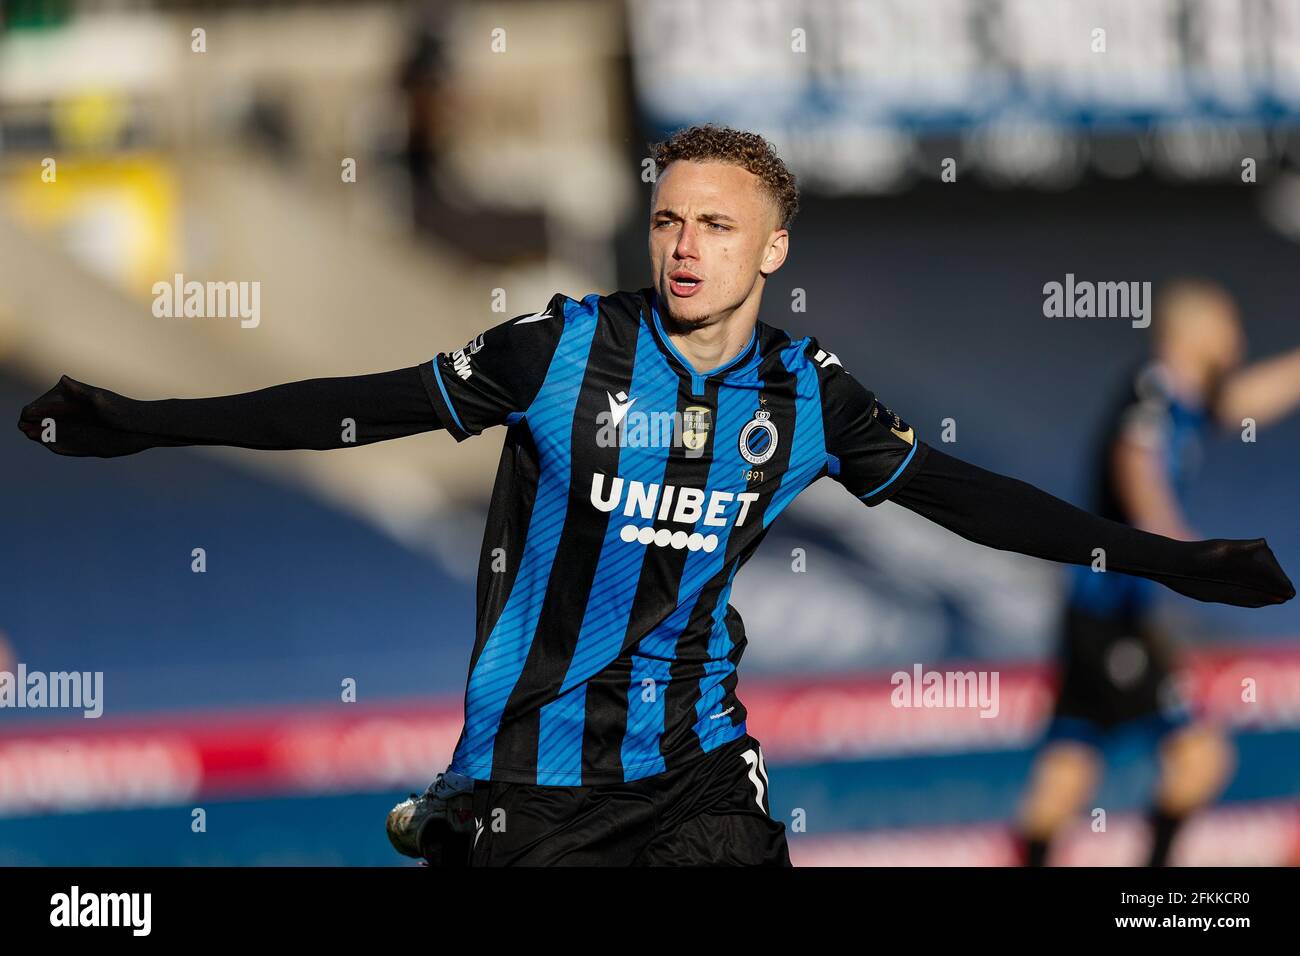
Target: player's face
<point>713,222</point>
<point>1211,335</point>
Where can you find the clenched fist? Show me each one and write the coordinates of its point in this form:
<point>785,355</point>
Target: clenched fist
<point>77,419</point>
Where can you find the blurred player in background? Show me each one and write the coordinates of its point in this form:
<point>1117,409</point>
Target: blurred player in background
<point>1116,664</point>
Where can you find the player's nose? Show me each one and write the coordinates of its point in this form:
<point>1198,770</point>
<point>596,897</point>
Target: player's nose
<point>686,240</point>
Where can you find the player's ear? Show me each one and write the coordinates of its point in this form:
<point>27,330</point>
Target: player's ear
<point>778,248</point>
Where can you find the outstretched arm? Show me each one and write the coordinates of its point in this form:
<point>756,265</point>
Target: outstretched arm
<point>1010,515</point>
<point>878,457</point>
<point>81,420</point>
<point>491,381</point>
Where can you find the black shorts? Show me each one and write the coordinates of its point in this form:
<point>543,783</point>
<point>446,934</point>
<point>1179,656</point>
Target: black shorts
<point>712,812</point>
<point>1115,670</point>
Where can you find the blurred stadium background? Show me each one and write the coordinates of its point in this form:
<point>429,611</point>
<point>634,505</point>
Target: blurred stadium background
<point>500,146</point>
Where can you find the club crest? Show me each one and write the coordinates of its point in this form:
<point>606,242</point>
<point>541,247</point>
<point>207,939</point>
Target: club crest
<point>758,439</point>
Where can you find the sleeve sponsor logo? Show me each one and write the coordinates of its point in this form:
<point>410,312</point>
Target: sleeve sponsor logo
<point>460,358</point>
<point>896,425</point>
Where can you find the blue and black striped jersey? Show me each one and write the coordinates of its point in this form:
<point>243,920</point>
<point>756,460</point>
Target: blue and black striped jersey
<point>631,488</point>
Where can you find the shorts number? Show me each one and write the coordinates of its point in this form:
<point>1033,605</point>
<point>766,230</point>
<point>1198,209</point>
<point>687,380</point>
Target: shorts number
<point>757,774</point>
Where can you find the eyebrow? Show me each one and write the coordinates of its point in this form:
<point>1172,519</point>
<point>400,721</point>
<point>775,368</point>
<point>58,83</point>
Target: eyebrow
<point>706,216</point>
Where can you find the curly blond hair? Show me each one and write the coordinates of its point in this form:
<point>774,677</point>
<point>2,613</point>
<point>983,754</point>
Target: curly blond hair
<point>749,151</point>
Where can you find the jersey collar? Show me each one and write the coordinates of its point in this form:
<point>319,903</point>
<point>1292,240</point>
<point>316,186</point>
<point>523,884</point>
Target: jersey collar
<point>742,362</point>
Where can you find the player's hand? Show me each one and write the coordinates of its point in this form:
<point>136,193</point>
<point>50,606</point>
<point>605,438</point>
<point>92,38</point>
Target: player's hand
<point>1243,573</point>
<point>77,419</point>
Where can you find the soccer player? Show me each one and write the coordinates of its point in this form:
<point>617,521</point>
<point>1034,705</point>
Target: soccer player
<point>1116,665</point>
<point>651,438</point>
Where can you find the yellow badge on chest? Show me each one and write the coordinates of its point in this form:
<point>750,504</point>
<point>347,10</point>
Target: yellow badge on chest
<point>696,422</point>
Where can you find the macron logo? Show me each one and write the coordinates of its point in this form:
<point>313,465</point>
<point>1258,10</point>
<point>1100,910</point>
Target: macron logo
<point>535,317</point>
<point>618,406</point>
<point>826,359</point>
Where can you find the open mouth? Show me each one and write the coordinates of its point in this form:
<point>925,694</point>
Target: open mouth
<point>684,285</point>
